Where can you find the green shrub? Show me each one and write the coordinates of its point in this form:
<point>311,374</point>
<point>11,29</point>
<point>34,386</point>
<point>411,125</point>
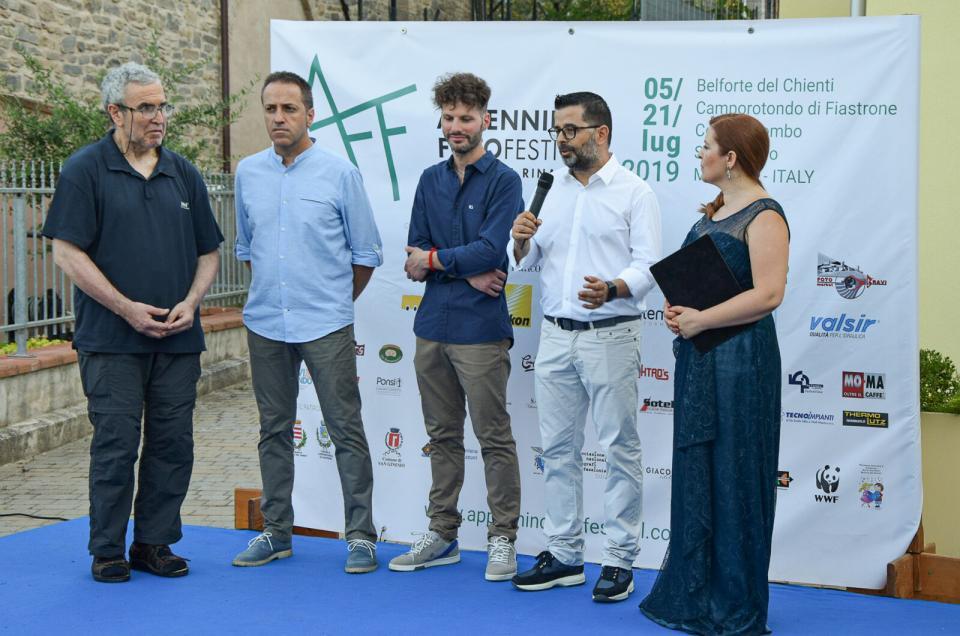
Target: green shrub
<point>939,382</point>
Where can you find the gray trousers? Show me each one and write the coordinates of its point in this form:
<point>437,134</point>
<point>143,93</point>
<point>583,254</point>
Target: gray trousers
<point>452,377</point>
<point>122,389</point>
<point>331,361</point>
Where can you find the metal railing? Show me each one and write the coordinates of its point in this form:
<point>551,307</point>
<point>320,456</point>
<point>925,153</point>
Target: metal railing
<point>655,10</point>
<point>37,297</point>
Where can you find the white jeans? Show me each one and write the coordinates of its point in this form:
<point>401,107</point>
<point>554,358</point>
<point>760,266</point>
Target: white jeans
<point>596,369</point>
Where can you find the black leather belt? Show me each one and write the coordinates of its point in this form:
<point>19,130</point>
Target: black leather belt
<point>568,324</point>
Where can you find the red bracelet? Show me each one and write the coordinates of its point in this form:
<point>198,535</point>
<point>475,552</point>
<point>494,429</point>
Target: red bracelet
<point>433,251</point>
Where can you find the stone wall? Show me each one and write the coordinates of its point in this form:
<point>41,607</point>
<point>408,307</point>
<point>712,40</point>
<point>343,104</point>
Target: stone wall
<point>79,39</point>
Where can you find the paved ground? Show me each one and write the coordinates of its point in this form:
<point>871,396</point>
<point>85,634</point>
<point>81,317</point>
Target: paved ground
<point>54,484</point>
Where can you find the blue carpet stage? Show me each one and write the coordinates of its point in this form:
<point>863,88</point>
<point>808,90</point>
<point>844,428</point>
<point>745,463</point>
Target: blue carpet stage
<point>45,587</point>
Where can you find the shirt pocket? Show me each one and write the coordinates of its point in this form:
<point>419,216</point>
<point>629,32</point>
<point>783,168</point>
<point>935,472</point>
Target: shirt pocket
<point>318,216</point>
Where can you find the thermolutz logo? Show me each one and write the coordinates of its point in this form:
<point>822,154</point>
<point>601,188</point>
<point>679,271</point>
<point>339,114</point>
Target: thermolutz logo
<point>871,486</point>
<point>867,419</point>
<point>389,386</point>
<point>799,378</point>
<point>828,482</point>
<point>841,326</point>
<point>410,302</point>
<point>519,304</point>
<point>850,282</point>
<point>392,458</point>
<point>653,372</point>
<point>808,417</point>
<point>859,384</point>
<point>783,479</point>
<point>391,353</point>
<point>656,406</point>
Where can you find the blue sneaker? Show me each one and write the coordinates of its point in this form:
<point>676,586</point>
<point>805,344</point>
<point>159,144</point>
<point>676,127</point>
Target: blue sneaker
<point>362,557</point>
<point>261,550</point>
<point>548,572</point>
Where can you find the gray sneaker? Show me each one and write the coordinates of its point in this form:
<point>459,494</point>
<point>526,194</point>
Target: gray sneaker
<point>501,559</point>
<point>428,551</point>
<point>262,549</point>
<point>362,557</point>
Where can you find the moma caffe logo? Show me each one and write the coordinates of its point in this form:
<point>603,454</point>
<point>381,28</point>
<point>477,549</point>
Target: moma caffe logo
<point>537,460</point>
<point>783,479</point>
<point>323,441</point>
<point>391,457</point>
<point>390,353</point>
<point>850,282</point>
<point>519,304</point>
<point>338,117</point>
<point>299,438</point>
<point>858,384</point>
<point>595,463</point>
<point>842,326</point>
<point>828,481</point>
<point>799,378</point>
<point>656,406</point>
<point>653,372</point>
<point>410,302</point>
<point>868,419</point>
<point>388,386</point>
<point>528,363</point>
<point>871,486</point>
<point>807,417</point>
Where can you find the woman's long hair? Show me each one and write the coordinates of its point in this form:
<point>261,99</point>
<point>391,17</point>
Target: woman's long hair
<point>748,138</point>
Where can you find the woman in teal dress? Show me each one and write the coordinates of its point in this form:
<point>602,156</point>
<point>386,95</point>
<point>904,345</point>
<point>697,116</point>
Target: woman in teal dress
<point>727,406</point>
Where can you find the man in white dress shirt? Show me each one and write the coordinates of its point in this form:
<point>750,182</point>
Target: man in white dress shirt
<point>595,239</point>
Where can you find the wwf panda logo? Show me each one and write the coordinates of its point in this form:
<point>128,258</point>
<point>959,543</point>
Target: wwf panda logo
<point>828,480</point>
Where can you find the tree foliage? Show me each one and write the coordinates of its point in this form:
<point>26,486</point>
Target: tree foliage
<point>66,121</point>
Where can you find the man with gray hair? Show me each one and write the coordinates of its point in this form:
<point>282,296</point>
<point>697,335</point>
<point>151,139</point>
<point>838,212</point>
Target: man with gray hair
<point>132,227</point>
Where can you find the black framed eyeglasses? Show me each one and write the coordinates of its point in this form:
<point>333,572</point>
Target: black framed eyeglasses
<point>149,111</point>
<point>569,131</point>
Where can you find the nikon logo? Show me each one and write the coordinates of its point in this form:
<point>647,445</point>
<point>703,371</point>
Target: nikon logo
<point>411,302</point>
<point>519,304</point>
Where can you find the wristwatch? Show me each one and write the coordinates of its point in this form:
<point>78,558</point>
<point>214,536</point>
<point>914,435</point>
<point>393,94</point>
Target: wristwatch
<point>611,290</point>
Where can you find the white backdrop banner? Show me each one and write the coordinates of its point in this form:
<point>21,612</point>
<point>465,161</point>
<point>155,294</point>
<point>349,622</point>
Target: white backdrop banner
<point>840,99</point>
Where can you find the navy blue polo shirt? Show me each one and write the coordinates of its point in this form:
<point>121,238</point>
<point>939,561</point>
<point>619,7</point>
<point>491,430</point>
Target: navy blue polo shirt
<point>470,225</point>
<point>145,235</point>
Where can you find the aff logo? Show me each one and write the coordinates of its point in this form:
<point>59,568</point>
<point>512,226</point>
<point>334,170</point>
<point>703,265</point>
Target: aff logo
<point>338,117</point>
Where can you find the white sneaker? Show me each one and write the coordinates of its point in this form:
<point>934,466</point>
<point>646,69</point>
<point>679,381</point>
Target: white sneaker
<point>501,559</point>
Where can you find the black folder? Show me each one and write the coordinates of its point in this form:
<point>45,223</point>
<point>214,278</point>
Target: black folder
<point>697,276</point>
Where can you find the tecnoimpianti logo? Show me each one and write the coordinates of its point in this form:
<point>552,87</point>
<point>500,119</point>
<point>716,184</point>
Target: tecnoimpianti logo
<point>808,417</point>
<point>338,117</point>
<point>519,304</point>
<point>842,326</point>
<point>849,281</point>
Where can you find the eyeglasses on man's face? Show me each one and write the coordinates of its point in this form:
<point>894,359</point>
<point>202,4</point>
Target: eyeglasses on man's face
<point>569,131</point>
<point>149,111</point>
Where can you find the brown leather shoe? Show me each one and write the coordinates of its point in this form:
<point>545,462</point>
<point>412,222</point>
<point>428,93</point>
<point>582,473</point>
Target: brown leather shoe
<point>157,559</point>
<point>110,569</point>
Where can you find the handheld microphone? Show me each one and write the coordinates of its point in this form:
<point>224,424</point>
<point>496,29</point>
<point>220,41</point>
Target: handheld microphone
<point>543,186</point>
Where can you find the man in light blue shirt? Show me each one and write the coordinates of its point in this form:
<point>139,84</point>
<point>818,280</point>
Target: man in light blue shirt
<point>306,229</point>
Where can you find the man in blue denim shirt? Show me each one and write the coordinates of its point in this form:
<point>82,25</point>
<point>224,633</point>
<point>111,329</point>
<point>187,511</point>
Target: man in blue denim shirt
<point>459,227</point>
<point>305,226</point>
